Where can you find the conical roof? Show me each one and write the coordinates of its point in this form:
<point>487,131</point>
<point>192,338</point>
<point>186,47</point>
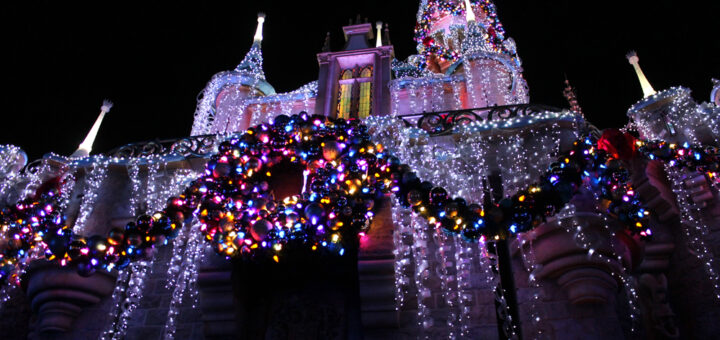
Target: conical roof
<point>252,64</point>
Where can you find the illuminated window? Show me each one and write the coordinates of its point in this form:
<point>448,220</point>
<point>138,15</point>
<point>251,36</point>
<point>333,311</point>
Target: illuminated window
<point>345,95</point>
<point>364,107</point>
<point>355,93</point>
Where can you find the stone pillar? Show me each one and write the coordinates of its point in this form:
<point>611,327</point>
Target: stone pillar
<point>674,287</point>
<point>658,317</point>
<point>585,279</point>
<point>216,300</point>
<point>579,286</point>
<point>58,296</point>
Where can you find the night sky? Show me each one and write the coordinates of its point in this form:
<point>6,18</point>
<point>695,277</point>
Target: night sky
<point>153,58</point>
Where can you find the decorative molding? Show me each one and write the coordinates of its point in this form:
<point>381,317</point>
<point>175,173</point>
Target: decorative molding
<point>188,147</point>
<point>443,122</point>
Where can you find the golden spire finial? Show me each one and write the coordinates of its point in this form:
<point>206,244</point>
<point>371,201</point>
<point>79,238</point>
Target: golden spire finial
<point>86,146</point>
<point>258,32</point>
<point>469,14</point>
<point>378,39</point>
<point>644,83</point>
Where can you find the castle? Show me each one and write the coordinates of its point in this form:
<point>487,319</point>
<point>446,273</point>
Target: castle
<point>458,115</point>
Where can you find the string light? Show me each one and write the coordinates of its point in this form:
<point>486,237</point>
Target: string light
<point>694,227</point>
<point>93,180</point>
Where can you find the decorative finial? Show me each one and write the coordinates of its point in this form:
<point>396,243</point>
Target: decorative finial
<point>386,37</point>
<point>252,64</point>
<point>569,93</point>
<point>326,44</point>
<point>644,83</point>
<point>86,146</point>
<point>469,13</point>
<point>258,32</point>
<point>378,39</point>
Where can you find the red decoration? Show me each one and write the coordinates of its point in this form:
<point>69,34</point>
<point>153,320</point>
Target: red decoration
<point>620,145</point>
<point>491,31</point>
<point>427,41</point>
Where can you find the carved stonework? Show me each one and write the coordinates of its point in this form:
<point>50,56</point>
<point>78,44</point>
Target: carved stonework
<point>658,317</point>
<point>585,279</point>
<point>58,294</point>
<point>657,314</point>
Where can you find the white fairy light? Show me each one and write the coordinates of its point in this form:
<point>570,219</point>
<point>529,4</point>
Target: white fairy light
<point>402,240</point>
<point>151,185</point>
<point>490,266</point>
<point>249,73</point>
<point>532,268</point>
<point>186,278</point>
<point>423,273</point>
<point>131,281</point>
<point>93,181</point>
<point>449,290</point>
<point>694,227</point>
<point>567,218</point>
<point>288,103</point>
<point>133,168</point>
<point>127,295</point>
<point>674,116</point>
<point>12,160</point>
<point>463,269</point>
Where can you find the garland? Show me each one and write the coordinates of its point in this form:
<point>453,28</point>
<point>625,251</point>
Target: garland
<point>703,159</point>
<point>346,174</point>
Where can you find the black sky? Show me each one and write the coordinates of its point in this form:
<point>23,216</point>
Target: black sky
<point>152,58</point>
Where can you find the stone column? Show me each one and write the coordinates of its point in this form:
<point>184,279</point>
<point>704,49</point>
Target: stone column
<point>579,286</point>
<point>657,314</point>
<point>58,296</point>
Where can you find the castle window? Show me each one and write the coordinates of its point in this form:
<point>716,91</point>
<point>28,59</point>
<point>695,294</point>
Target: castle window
<point>345,95</point>
<point>355,93</point>
<point>365,93</point>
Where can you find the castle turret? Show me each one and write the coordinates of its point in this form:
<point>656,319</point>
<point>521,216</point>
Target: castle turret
<point>672,114</point>
<point>352,83</point>
<point>221,108</point>
<point>465,50</point>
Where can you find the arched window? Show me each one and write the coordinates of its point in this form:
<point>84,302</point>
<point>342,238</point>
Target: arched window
<point>345,94</point>
<point>365,100</point>
<point>355,92</point>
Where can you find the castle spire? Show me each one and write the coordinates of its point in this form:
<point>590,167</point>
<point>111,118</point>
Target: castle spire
<point>86,146</point>
<point>571,96</point>
<point>469,13</point>
<point>326,44</point>
<point>644,83</point>
<point>378,39</point>
<point>258,31</point>
<point>386,37</point>
<point>252,64</point>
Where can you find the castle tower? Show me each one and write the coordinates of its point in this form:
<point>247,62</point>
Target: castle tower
<point>352,83</point>
<point>466,37</point>
<point>222,108</point>
<point>672,114</point>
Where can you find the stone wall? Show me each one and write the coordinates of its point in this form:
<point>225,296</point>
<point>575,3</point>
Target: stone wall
<point>148,320</point>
